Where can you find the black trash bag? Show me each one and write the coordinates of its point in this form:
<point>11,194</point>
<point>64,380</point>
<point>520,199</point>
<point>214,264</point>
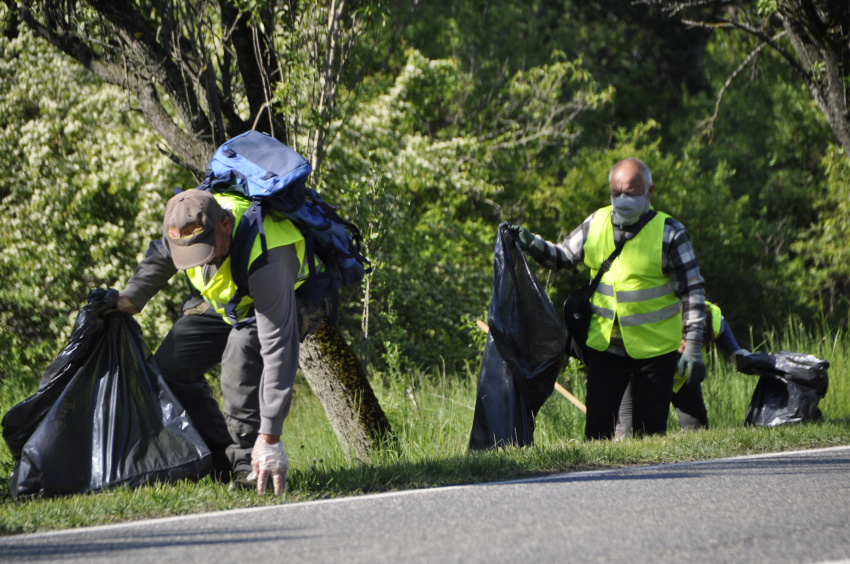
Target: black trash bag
<point>805,369</point>
<point>523,355</point>
<point>501,414</point>
<point>103,415</point>
<point>789,389</point>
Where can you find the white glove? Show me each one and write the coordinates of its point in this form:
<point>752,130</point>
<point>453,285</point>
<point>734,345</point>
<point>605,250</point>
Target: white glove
<point>269,459</point>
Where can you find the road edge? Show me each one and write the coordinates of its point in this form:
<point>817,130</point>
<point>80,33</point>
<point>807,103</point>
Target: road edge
<point>563,476</point>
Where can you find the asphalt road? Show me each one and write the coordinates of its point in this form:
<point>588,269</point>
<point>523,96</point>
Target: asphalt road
<point>788,508</point>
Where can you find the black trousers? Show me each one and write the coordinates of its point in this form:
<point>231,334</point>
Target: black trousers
<point>608,375</point>
<point>690,406</point>
<point>196,344</point>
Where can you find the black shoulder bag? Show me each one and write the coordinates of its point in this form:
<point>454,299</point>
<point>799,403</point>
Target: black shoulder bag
<point>577,305</point>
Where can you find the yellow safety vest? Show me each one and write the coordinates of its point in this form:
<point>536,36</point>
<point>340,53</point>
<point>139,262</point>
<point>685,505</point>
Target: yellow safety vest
<point>634,290</point>
<point>713,311</point>
<point>280,232</point>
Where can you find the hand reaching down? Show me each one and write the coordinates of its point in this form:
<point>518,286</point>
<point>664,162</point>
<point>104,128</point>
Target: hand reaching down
<point>269,459</point>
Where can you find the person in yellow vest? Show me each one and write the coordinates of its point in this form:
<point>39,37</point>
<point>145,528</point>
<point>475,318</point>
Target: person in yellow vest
<point>651,293</point>
<point>688,400</point>
<point>258,361</point>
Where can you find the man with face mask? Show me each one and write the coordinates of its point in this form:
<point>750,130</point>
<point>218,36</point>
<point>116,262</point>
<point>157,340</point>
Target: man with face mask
<point>637,321</point>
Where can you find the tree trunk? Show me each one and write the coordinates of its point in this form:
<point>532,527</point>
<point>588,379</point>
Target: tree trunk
<point>821,41</point>
<point>337,379</point>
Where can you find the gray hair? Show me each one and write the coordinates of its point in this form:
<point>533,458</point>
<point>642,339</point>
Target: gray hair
<point>644,170</point>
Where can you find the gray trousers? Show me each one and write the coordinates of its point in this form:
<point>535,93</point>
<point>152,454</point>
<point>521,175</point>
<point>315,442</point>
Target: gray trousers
<point>689,404</point>
<point>195,345</point>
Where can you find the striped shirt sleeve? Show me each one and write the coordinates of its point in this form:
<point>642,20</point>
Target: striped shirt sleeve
<point>680,263</point>
<point>566,254</point>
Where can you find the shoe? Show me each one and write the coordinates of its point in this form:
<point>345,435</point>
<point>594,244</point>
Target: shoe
<point>240,481</point>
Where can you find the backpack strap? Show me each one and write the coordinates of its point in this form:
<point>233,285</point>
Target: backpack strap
<point>356,237</point>
<point>249,227</point>
<point>319,284</point>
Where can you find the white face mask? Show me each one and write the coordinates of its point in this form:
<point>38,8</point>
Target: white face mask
<point>628,209</point>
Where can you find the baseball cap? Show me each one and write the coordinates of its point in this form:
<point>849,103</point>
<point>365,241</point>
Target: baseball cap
<point>189,228</point>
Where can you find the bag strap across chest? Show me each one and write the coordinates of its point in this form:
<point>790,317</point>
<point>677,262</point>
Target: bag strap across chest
<point>634,229</point>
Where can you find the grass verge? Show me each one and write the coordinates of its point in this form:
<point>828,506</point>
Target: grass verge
<point>177,499</point>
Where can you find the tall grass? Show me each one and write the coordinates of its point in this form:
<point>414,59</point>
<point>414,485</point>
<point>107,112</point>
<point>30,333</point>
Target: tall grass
<point>431,411</point>
<point>431,414</point>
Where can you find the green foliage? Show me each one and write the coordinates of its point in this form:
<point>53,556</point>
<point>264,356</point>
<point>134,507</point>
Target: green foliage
<point>510,112</point>
<point>773,139</point>
<point>821,267</point>
<point>84,193</point>
<point>425,184</point>
<point>744,197</point>
<point>647,57</point>
<point>430,256</point>
<point>766,7</point>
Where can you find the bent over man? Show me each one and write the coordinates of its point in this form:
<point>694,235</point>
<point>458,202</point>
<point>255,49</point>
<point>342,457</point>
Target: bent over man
<point>258,360</point>
<point>637,320</point>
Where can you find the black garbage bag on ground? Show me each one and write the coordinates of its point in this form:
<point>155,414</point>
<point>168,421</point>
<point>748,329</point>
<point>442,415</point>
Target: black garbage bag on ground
<point>789,389</point>
<point>523,355</point>
<point>103,415</point>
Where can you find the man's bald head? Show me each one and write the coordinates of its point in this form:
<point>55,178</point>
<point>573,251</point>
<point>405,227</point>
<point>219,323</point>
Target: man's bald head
<point>631,177</point>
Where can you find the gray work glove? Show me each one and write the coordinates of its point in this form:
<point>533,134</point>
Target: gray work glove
<point>523,235</point>
<point>691,363</point>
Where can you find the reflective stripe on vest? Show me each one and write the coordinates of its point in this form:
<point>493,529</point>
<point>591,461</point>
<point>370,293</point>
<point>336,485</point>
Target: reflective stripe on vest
<point>634,290</point>
<point>279,232</point>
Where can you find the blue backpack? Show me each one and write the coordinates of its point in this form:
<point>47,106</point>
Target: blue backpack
<point>272,175</point>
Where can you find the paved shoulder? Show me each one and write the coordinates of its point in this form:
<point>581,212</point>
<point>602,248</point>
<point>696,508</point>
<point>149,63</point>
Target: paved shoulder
<point>785,508</point>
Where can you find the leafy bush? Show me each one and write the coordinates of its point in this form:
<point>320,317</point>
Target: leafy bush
<point>84,195</point>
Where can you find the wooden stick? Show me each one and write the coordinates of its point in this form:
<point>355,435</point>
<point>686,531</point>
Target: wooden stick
<point>574,400</point>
